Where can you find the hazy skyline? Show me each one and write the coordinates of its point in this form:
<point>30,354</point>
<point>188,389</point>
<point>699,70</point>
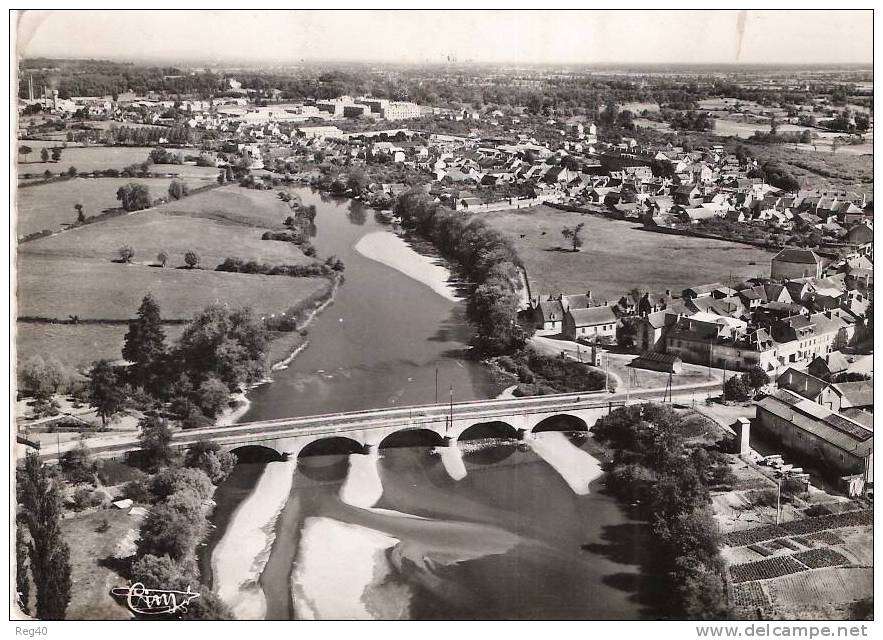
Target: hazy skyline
<point>495,36</point>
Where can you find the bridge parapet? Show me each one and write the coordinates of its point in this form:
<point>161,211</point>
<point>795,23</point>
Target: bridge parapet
<point>370,427</point>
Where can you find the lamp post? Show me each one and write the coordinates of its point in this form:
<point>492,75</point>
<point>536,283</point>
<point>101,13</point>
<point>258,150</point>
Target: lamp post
<point>451,411</point>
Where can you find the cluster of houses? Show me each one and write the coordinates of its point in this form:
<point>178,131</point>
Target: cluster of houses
<point>808,308</point>
<point>799,326</point>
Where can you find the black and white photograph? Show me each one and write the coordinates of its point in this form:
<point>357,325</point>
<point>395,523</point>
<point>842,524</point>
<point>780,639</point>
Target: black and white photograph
<point>428,314</point>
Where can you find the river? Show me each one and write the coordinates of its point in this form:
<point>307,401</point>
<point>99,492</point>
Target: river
<point>490,530</point>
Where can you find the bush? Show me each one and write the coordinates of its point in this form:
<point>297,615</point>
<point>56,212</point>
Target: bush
<point>208,457</point>
<point>213,397</point>
<point>84,498</point>
<point>79,465</point>
<point>736,390</point>
<point>170,481</point>
<point>191,259</point>
<point>161,572</point>
<point>166,531</point>
<point>138,491</point>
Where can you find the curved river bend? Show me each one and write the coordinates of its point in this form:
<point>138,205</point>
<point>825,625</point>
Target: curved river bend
<point>506,531</point>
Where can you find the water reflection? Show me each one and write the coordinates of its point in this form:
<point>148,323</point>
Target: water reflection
<point>356,213</point>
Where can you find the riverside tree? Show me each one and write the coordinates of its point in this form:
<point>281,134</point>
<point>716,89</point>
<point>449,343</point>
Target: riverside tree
<point>207,456</point>
<point>40,500</point>
<point>229,344</point>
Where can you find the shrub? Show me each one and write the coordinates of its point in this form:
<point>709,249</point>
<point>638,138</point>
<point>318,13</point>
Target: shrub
<point>126,253</point>
<point>160,572</point>
<point>138,491</point>
<point>169,481</point>
<point>166,531</point>
<point>191,259</point>
<point>207,456</point>
<point>213,397</point>
<point>79,465</point>
<point>84,498</point>
<point>736,390</point>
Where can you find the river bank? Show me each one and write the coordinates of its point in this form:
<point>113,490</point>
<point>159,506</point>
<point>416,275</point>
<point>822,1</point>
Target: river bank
<point>395,252</point>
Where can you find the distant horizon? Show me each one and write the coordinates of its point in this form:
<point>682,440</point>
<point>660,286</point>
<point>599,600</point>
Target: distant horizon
<point>194,62</point>
<point>803,38</point>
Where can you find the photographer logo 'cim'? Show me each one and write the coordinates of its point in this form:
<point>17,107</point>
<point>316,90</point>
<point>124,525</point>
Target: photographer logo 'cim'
<point>155,602</point>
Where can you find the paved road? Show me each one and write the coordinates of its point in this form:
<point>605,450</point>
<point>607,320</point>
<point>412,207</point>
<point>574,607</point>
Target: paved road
<point>479,410</point>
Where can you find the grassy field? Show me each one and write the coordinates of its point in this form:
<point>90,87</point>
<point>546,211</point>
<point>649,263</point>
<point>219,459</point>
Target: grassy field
<point>74,286</point>
<point>216,224</point>
<point>76,345</point>
<point>48,206</point>
<point>92,554</point>
<point>818,169</point>
<point>84,158</point>
<point>75,273</point>
<point>236,205</point>
<point>618,255</point>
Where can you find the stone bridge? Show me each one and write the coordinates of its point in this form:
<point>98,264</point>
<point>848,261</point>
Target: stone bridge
<point>428,425</point>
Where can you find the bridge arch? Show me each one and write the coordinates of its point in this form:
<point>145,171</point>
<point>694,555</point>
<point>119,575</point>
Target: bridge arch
<point>412,438</point>
<point>332,445</point>
<point>561,422</point>
<point>257,453</point>
<point>483,430</point>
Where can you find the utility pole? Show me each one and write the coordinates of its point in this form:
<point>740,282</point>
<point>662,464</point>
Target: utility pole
<point>607,371</point>
<point>436,385</point>
<point>628,387</point>
<point>778,499</point>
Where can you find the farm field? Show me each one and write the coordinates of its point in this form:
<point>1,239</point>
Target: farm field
<point>76,345</point>
<point>618,255</point>
<point>51,205</point>
<point>77,273</point>
<point>94,290</point>
<point>237,205</point>
<point>823,593</point>
<point>86,158</point>
<point>169,229</point>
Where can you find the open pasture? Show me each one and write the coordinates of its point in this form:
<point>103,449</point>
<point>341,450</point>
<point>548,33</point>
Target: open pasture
<point>56,288</point>
<point>51,205</point>
<point>618,255</point>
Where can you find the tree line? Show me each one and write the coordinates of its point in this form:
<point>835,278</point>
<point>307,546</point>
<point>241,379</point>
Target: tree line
<point>656,467</point>
<point>487,258</point>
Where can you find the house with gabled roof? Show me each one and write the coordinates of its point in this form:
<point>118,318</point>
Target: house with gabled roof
<point>792,262</point>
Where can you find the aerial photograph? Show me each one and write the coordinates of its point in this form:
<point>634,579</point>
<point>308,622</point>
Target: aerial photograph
<point>442,315</point>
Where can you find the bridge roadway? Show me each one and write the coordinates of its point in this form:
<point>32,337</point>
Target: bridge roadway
<point>368,428</point>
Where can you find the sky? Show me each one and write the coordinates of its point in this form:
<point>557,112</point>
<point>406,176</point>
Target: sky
<point>566,37</point>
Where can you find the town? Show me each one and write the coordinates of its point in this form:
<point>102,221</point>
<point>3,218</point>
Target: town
<point>690,251</point>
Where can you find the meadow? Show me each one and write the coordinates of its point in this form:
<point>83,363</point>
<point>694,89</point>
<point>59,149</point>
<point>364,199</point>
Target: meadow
<point>51,205</point>
<point>619,255</point>
<point>195,223</point>
<point>76,345</point>
<point>85,159</point>
<point>78,272</point>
